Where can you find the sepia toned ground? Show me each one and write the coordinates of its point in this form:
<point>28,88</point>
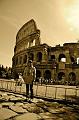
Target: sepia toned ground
<point>15,107</point>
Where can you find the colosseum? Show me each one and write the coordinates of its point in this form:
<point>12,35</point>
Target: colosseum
<point>59,64</point>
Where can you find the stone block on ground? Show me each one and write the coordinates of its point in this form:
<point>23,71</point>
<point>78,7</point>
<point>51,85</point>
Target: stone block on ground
<point>7,104</point>
<point>32,107</point>
<point>9,94</point>
<point>5,97</point>
<point>15,98</point>
<point>56,111</point>
<point>52,104</point>
<point>18,109</point>
<point>40,104</point>
<point>18,95</point>
<point>2,99</point>
<point>28,116</point>
<point>35,100</point>
<point>6,113</point>
<point>28,105</point>
<point>19,104</point>
<point>47,115</point>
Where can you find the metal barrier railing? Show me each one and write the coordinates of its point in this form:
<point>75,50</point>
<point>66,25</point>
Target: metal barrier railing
<point>44,91</point>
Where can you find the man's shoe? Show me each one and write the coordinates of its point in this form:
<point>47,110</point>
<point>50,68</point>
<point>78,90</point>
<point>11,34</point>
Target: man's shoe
<point>31,97</point>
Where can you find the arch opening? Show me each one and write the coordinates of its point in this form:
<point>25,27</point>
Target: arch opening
<point>47,75</point>
<point>62,58</point>
<point>38,75</point>
<point>31,56</point>
<point>72,76</point>
<point>52,57</point>
<point>61,76</point>
<point>39,57</point>
<point>25,59</point>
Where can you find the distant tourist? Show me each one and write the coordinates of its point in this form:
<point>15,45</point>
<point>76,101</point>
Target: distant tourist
<point>20,80</point>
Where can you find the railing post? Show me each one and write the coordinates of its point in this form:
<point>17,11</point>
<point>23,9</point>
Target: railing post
<point>10,85</point>
<point>65,93</point>
<point>75,92</point>
<point>55,92</point>
<point>15,88</point>
<point>7,85</point>
<point>46,91</point>
<point>2,84</point>
<point>36,89</point>
<point>20,88</point>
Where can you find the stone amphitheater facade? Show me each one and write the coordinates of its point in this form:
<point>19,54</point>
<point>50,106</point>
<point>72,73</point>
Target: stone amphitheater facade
<point>59,64</point>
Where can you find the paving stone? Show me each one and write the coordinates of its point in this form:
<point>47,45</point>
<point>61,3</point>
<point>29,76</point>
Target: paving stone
<point>15,98</point>
<point>52,104</point>
<point>41,100</point>
<point>33,108</point>
<point>40,104</point>
<point>18,109</point>
<point>28,116</point>
<point>23,97</point>
<point>35,100</point>
<point>6,113</point>
<point>28,105</point>
<point>50,118</point>
<point>46,115</point>
<point>17,95</point>
<point>19,104</point>
<point>7,104</point>
<point>56,111</point>
<point>10,94</point>
<point>2,99</point>
<point>25,102</point>
<point>61,119</point>
<point>4,94</point>
<point>5,97</point>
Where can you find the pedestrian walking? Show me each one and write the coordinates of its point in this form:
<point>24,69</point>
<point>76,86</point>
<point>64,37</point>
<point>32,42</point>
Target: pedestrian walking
<point>29,76</point>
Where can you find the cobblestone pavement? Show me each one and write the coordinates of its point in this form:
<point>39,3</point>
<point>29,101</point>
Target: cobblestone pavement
<point>15,107</point>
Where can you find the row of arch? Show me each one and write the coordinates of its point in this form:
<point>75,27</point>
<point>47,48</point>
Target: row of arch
<point>62,58</point>
<point>60,76</point>
<point>23,59</point>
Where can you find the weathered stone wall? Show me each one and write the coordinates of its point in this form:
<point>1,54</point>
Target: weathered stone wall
<point>58,63</point>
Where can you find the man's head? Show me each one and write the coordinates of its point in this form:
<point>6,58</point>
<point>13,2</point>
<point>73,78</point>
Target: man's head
<point>30,63</point>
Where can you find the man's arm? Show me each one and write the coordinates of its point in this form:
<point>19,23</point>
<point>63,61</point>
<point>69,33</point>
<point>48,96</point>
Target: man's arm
<point>34,74</point>
<point>24,73</point>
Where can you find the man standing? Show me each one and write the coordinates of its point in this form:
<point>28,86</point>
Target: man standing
<point>29,76</point>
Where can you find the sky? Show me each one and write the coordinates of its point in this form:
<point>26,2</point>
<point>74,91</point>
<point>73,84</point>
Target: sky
<point>58,21</point>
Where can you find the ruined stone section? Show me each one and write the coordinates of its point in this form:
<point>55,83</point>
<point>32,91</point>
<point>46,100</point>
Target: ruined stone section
<point>28,36</point>
<point>56,65</point>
